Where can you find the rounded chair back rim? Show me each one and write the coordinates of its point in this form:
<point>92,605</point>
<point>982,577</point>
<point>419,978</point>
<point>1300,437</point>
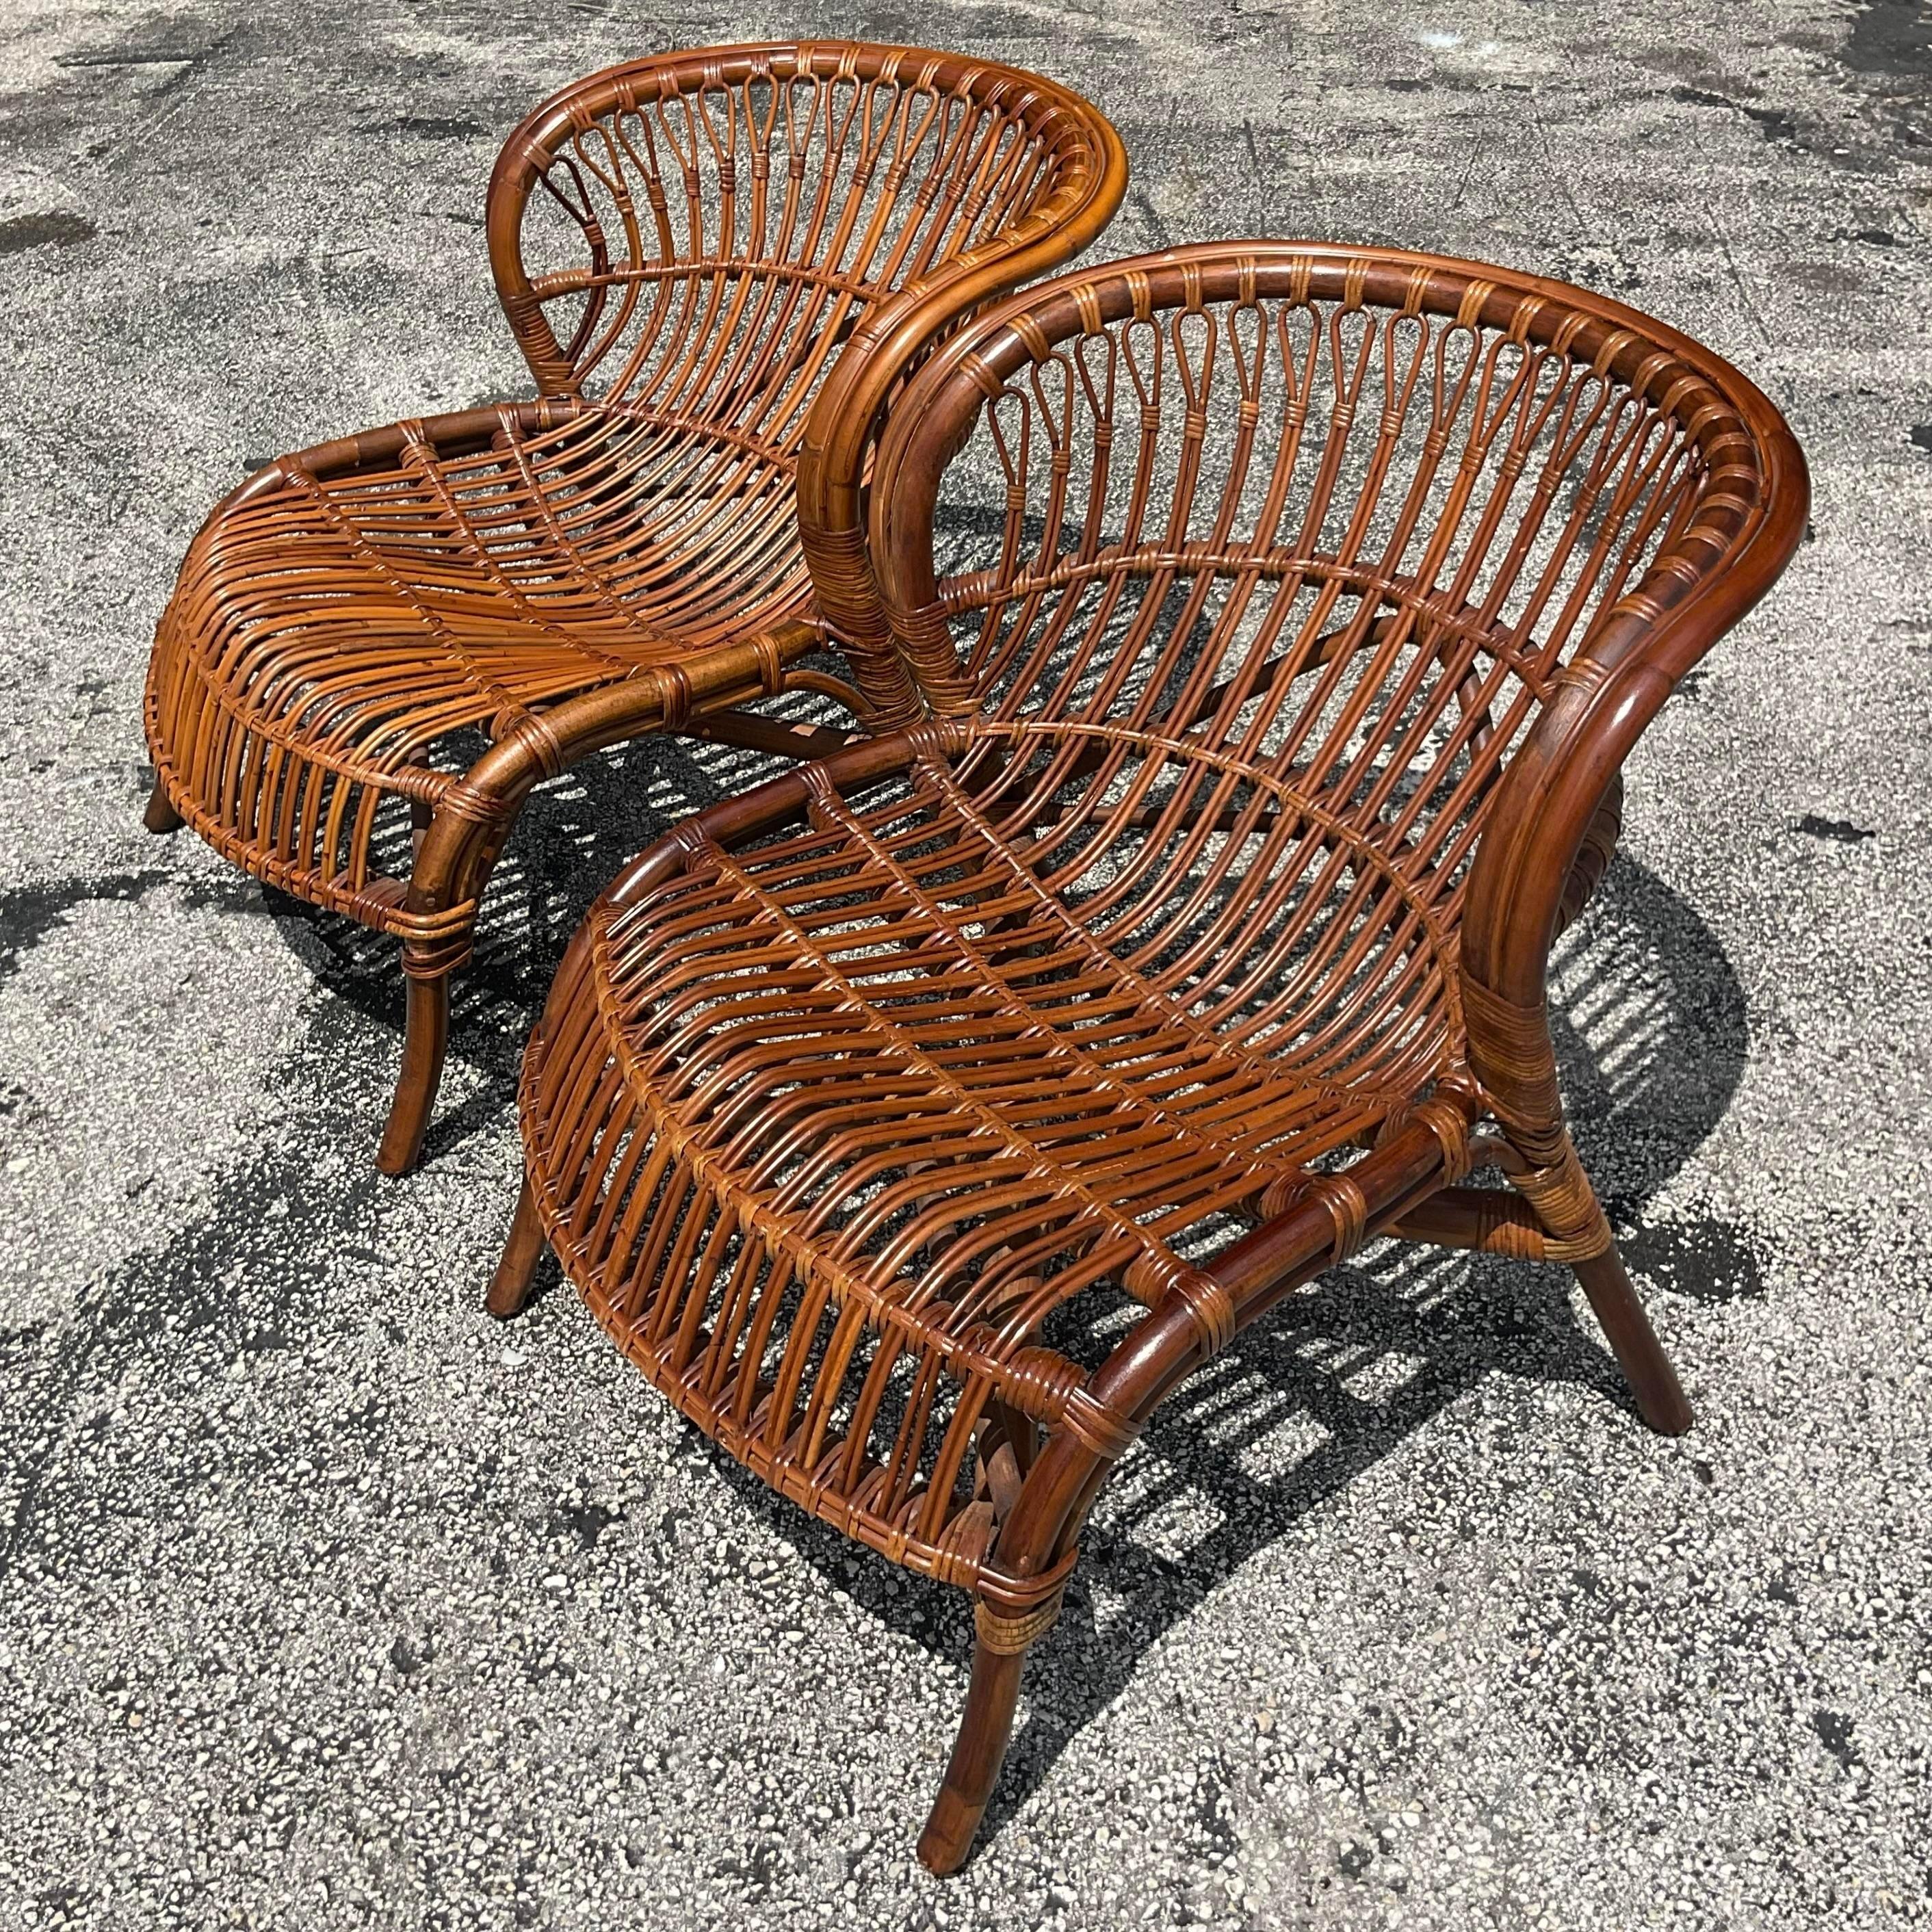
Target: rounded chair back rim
<point>538,139</point>
<point>1694,589</point>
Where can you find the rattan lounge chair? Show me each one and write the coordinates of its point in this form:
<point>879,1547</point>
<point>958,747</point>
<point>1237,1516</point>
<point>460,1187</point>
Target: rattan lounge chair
<point>917,1121</point>
<point>622,555</point>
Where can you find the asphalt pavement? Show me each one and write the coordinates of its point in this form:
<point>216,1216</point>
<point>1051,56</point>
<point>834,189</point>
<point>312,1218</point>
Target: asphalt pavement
<point>324,1602</point>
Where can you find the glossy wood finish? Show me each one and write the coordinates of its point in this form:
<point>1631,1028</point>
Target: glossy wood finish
<point>719,265</point>
<point>1195,935</point>
<point>510,1286</point>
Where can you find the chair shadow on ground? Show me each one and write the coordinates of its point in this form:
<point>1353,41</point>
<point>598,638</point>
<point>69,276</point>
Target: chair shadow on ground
<point>1652,1035</point>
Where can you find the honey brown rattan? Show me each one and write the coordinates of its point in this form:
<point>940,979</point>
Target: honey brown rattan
<point>753,246</point>
<point>918,1120</point>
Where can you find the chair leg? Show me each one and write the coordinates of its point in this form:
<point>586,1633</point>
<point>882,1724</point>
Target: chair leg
<point>1661,1399</point>
<point>426,1035</point>
<point>161,815</point>
<point>1567,1204</point>
<point>510,1286</point>
<point>998,1658</point>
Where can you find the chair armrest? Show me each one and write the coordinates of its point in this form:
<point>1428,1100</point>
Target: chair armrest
<point>1561,774</point>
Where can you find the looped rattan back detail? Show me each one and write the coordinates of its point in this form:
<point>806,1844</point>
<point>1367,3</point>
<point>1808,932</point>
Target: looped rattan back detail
<point>721,225</point>
<point>719,221</point>
<point>1342,517</point>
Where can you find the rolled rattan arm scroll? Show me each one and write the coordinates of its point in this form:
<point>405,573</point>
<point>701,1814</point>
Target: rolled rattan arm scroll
<point>1751,520</point>
<point>1593,858</point>
<point>836,453</point>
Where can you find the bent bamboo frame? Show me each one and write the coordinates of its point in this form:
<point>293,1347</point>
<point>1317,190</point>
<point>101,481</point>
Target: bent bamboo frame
<point>758,244</point>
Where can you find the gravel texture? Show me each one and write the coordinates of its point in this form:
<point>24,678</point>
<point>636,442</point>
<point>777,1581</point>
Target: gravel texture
<point>325,1603</point>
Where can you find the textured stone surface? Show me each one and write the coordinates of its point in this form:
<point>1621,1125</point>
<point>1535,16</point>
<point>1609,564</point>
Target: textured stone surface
<point>324,1603</point>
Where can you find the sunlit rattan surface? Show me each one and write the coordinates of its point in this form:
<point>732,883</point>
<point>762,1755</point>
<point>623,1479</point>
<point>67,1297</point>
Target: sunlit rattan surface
<point>939,1062</point>
<point>719,265</point>
<point>858,1100</point>
<point>331,638</point>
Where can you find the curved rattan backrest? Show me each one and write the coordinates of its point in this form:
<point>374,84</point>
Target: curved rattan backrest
<point>1344,515</point>
<point>721,223</point>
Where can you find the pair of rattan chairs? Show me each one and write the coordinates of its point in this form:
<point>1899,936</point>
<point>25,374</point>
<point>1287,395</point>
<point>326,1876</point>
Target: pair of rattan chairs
<point>1241,646</point>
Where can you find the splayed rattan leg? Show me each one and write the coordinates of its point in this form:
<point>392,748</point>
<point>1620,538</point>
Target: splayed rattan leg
<point>510,1285</point>
<point>977,1754</point>
<point>980,1748</point>
<point>1660,1400</point>
<point>161,815</point>
<point>426,1035</point>
<point>1567,1204</point>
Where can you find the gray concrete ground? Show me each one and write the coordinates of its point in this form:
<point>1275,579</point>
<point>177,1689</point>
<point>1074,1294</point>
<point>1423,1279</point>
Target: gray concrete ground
<point>326,1604</point>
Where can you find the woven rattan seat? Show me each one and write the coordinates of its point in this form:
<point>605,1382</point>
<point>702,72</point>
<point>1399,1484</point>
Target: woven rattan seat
<point>1198,934</point>
<point>751,247</point>
<point>352,619</point>
<point>905,1055</point>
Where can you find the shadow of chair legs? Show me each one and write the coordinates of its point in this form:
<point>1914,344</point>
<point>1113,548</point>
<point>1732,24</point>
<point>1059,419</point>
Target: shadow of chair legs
<point>1652,1033</point>
<point>575,835</point>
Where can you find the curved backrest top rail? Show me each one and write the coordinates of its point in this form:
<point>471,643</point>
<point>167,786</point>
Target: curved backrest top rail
<point>1751,508</point>
<point>726,141</point>
<point>793,258</point>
